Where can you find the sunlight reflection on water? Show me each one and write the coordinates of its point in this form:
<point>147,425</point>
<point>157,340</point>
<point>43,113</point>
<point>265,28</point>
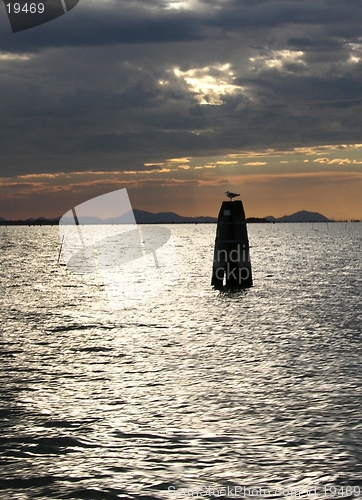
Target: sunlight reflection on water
<point>192,388</point>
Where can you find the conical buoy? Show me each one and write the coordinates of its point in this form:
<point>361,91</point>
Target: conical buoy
<point>231,267</point>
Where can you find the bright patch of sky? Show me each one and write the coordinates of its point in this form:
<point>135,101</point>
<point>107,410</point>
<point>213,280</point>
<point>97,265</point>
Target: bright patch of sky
<point>355,52</point>
<point>277,59</point>
<point>183,5</point>
<point>7,56</point>
<point>210,83</point>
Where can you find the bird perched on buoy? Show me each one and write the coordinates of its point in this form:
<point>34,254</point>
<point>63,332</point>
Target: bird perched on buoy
<point>231,195</point>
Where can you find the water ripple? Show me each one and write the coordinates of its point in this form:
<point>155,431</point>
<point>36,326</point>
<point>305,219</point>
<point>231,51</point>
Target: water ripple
<point>193,389</point>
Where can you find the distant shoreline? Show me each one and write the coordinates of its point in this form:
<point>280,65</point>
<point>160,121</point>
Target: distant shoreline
<point>143,217</point>
<point>250,220</point>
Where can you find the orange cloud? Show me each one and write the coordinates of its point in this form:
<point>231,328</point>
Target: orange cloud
<point>255,163</point>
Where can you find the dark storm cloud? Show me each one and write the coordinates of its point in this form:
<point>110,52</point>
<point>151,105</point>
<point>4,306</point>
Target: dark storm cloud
<point>97,88</point>
<point>108,26</point>
<point>138,22</point>
<point>274,14</point>
<point>309,44</point>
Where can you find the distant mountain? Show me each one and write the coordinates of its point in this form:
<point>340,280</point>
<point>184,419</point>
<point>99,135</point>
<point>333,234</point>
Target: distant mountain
<point>143,217</point>
<point>302,216</point>
<point>87,219</point>
<point>54,219</point>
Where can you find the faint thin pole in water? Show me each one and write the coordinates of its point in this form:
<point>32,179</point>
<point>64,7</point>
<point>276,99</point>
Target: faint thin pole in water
<point>60,249</point>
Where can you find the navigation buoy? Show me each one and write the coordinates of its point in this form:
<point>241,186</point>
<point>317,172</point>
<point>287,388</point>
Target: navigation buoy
<point>231,267</point>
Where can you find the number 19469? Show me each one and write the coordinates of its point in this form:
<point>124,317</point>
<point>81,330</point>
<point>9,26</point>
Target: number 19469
<point>342,491</point>
<point>33,8</point>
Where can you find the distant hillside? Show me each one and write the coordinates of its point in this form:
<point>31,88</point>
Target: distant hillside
<point>257,220</point>
<point>40,221</point>
<point>302,216</point>
<point>143,217</point>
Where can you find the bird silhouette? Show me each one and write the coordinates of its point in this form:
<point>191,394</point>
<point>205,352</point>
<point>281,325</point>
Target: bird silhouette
<point>231,195</point>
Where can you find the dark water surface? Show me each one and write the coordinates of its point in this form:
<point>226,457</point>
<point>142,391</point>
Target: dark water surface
<point>193,389</point>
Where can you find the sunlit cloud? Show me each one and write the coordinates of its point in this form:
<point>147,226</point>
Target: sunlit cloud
<point>255,163</point>
<point>157,171</point>
<point>161,164</point>
<point>334,161</point>
<point>278,59</point>
<point>355,52</point>
<point>57,175</point>
<point>227,162</point>
<point>190,5</point>
<point>210,83</point>
<point>178,160</point>
<point>321,160</point>
<point>7,56</point>
<point>42,176</point>
<point>331,177</point>
<point>312,150</point>
<point>339,161</point>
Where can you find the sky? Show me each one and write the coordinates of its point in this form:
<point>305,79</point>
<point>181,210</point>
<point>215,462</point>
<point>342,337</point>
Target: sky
<point>179,101</point>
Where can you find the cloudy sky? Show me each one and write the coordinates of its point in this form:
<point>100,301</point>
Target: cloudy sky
<point>178,101</point>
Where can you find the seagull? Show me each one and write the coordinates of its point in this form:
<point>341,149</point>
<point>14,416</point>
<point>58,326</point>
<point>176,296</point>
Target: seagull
<point>231,195</point>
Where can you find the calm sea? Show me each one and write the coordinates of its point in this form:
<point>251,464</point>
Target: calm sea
<point>195,392</point>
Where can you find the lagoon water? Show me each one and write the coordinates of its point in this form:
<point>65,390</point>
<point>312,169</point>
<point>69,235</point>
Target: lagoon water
<point>193,392</point>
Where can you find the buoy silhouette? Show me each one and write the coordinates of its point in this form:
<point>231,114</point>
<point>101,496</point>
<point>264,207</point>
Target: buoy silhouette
<point>231,266</point>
